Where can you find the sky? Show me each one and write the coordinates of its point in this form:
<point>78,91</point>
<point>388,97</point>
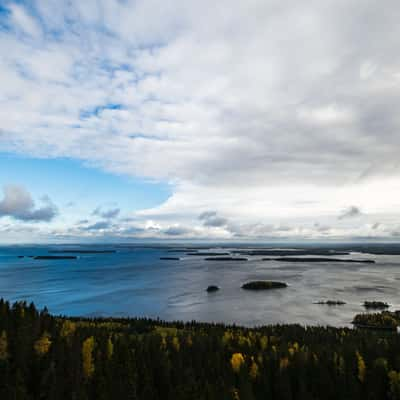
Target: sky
<point>232,120</point>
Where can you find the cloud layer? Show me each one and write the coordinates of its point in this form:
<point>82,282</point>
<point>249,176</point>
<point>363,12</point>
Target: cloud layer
<point>269,113</point>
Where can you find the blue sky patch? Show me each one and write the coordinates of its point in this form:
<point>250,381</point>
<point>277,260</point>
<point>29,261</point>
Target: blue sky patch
<point>67,180</point>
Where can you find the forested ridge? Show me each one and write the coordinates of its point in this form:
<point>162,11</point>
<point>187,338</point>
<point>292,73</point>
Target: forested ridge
<point>50,357</point>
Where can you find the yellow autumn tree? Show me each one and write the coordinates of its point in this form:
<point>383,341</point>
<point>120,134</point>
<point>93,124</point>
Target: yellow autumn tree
<point>361,367</point>
<point>3,346</point>
<point>243,341</point>
<point>237,361</point>
<point>68,328</point>
<point>253,370</point>
<point>87,357</point>
<point>227,337</point>
<point>175,343</point>
<point>263,342</point>
<point>42,345</point>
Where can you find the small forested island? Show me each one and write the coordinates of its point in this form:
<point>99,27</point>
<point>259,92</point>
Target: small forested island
<point>318,259</point>
<point>292,252</point>
<point>207,254</point>
<point>332,302</point>
<point>225,259</point>
<point>212,288</point>
<point>55,257</point>
<point>383,320</point>
<point>263,285</point>
<point>378,305</point>
<point>59,358</point>
<point>186,249</point>
<point>77,251</point>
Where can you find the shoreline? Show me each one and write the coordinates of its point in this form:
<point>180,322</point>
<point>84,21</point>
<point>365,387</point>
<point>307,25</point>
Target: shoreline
<point>203,323</point>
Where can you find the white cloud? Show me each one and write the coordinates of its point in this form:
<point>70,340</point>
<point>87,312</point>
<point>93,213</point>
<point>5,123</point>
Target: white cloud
<point>250,109</point>
<point>328,115</point>
<point>23,21</point>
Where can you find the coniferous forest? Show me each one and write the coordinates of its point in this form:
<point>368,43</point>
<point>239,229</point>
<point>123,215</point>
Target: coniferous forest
<point>49,357</point>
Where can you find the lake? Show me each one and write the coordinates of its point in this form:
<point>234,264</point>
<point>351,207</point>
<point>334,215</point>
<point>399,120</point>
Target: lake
<point>133,281</point>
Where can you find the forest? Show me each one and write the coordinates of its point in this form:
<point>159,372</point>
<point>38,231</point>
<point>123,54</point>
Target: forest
<point>54,357</point>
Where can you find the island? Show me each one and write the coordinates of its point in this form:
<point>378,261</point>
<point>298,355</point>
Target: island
<point>318,259</point>
<point>83,251</point>
<point>187,249</point>
<point>384,320</point>
<point>205,254</point>
<point>212,288</point>
<point>226,259</point>
<point>378,305</point>
<point>263,285</point>
<point>332,302</point>
<point>292,252</point>
<point>170,258</point>
<point>55,257</point>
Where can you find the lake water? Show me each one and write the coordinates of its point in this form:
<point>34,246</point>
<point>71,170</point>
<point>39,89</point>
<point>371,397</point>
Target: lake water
<point>133,281</point>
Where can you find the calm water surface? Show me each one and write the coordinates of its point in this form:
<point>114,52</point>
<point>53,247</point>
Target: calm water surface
<point>135,282</point>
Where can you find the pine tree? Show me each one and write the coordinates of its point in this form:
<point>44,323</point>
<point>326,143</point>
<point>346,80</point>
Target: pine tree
<point>3,346</point>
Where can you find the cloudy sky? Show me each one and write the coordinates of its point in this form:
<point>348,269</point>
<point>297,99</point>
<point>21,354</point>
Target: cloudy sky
<point>256,119</point>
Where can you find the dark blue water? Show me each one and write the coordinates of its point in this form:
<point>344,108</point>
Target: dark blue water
<point>135,282</point>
